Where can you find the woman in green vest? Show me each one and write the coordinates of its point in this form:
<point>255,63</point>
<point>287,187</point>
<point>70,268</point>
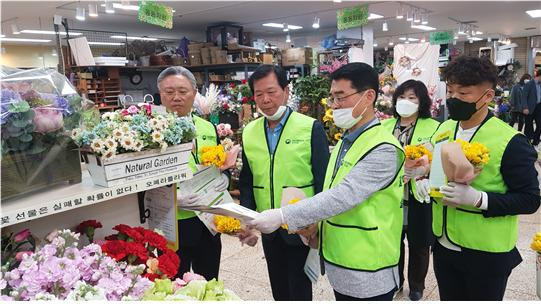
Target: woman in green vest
<point>412,125</point>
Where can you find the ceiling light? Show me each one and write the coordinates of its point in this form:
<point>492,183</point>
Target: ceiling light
<point>489,39</point>
<point>386,49</point>
<point>337,1</point>
<point>93,10</point>
<point>24,40</point>
<point>534,13</point>
<point>2,36</point>
<point>413,39</point>
<point>471,40</point>
<point>54,53</point>
<point>391,43</point>
<point>402,38</point>
<point>285,27</point>
<point>80,13</point>
<point>385,28</point>
<point>454,42</point>
<point>375,44</point>
<point>455,36</point>
<point>409,16</point>
<point>125,7</point>
<point>15,29</point>
<point>134,38</point>
<point>423,40</point>
<point>479,33</point>
<point>461,29</point>
<point>109,9</point>
<point>40,32</point>
<point>407,42</point>
<point>400,13</point>
<point>423,27</point>
<point>280,25</point>
<point>106,43</point>
<point>316,23</point>
<point>373,16</point>
<point>476,38</point>
<point>417,17</point>
<point>424,19</point>
<point>288,38</point>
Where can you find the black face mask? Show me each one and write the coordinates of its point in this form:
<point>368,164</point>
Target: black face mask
<point>461,110</point>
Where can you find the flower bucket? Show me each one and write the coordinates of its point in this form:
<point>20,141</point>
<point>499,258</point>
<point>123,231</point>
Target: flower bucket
<point>24,172</point>
<point>134,166</point>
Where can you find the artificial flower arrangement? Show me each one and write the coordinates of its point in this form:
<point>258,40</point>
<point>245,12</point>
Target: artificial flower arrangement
<point>14,246</point>
<point>38,109</point>
<point>227,102</point>
<point>417,156</point>
<point>140,246</point>
<point>462,161</point>
<point>137,128</point>
<point>334,134</point>
<point>224,155</point>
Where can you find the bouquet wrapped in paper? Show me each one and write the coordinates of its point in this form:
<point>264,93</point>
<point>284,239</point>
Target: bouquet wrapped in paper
<point>462,161</point>
<point>417,156</point>
<point>38,109</point>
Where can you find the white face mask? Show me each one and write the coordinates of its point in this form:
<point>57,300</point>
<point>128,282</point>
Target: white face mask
<point>276,115</point>
<point>526,81</point>
<point>343,118</point>
<point>406,108</point>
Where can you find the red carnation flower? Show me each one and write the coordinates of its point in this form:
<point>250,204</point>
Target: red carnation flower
<point>155,240</point>
<point>151,276</point>
<point>129,232</point>
<point>244,99</point>
<point>226,106</point>
<point>244,81</point>
<point>87,228</point>
<point>169,263</point>
<point>232,85</point>
<point>137,250</point>
<point>115,249</point>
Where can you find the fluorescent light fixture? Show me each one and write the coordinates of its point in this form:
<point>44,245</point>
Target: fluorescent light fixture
<point>316,23</point>
<point>461,30</point>
<point>402,38</point>
<point>93,10</point>
<point>54,53</point>
<point>424,19</point>
<point>375,44</point>
<point>391,43</point>
<point>373,16</point>
<point>407,42</point>
<point>125,7</point>
<point>24,40</point>
<point>15,29</point>
<point>106,43</point>
<point>280,25</point>
<point>408,39</point>
<point>417,17</point>
<point>109,9</point>
<point>534,13</point>
<point>400,13</point>
<point>40,32</point>
<point>489,39</point>
<point>455,37</point>
<point>2,36</point>
<point>409,16</point>
<point>479,33</point>
<point>385,27</point>
<point>423,27</point>
<point>476,38</point>
<point>423,40</point>
<point>337,1</point>
<point>134,38</point>
<point>288,38</point>
<point>285,27</point>
<point>80,13</point>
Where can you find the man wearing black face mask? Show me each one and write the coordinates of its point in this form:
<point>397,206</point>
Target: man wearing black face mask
<point>476,225</point>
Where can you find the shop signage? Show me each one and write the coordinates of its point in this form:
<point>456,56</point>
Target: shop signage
<point>352,17</point>
<point>437,38</point>
<point>157,14</point>
<point>46,208</point>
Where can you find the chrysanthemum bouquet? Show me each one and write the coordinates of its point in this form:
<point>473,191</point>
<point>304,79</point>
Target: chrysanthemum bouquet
<point>462,161</point>
<point>134,129</point>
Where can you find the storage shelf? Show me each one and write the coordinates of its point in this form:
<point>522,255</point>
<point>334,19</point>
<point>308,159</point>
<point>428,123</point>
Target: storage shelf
<point>63,198</point>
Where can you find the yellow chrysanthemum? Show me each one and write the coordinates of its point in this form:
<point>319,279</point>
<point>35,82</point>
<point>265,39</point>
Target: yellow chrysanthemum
<point>536,242</point>
<point>414,152</point>
<point>476,153</point>
<point>291,202</point>
<point>213,155</point>
<point>324,101</point>
<point>338,136</point>
<point>226,224</point>
<point>328,116</point>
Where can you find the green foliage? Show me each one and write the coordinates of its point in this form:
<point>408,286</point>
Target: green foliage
<point>312,88</point>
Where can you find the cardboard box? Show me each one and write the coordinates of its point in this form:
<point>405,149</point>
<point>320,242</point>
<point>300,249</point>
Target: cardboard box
<point>267,58</point>
<point>296,56</point>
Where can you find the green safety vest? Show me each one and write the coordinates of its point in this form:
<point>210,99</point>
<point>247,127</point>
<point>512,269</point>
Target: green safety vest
<point>206,136</point>
<point>289,166</point>
<point>466,226</point>
<point>366,237</point>
<point>423,130</point>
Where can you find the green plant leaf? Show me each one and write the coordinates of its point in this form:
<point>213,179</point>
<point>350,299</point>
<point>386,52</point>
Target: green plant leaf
<point>20,123</point>
<point>19,107</point>
<point>25,138</point>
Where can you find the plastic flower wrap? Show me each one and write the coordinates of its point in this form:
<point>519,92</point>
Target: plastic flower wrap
<point>140,246</point>
<point>463,161</point>
<point>226,224</point>
<point>61,271</point>
<point>134,129</point>
<point>536,243</point>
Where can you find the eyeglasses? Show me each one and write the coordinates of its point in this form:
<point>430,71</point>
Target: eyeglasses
<point>332,100</point>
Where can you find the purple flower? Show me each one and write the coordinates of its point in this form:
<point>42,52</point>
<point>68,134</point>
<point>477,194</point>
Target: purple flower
<point>8,97</point>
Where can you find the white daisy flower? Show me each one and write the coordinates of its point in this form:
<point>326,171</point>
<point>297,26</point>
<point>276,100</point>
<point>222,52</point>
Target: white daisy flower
<point>108,154</point>
<point>110,143</point>
<point>155,123</point>
<point>75,132</point>
<point>118,134</point>
<point>138,145</point>
<point>127,143</point>
<point>97,145</point>
<point>157,136</point>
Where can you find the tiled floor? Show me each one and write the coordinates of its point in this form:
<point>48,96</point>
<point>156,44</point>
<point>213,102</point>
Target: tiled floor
<point>244,270</point>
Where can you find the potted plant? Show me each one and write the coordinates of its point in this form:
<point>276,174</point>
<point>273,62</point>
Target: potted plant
<point>310,90</point>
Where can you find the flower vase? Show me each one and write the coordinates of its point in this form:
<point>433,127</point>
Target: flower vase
<point>24,172</point>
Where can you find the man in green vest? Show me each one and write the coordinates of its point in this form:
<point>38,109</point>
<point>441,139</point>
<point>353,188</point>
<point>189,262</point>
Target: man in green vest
<point>281,149</point>
<point>476,225</point>
<point>199,250</point>
<point>359,210</point>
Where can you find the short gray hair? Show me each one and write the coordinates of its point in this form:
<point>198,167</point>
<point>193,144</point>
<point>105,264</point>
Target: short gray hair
<point>177,70</point>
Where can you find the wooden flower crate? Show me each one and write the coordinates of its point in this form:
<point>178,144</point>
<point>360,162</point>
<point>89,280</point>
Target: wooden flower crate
<point>24,172</point>
<point>134,166</point>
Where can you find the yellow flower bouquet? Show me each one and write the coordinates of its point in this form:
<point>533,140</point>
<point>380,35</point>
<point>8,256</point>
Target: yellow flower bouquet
<point>226,224</point>
<point>536,243</point>
<point>462,161</point>
<point>219,157</point>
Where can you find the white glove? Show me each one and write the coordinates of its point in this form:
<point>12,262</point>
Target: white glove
<point>412,173</point>
<point>422,188</point>
<point>455,194</point>
<point>222,184</point>
<point>304,239</point>
<point>187,200</point>
<point>267,221</point>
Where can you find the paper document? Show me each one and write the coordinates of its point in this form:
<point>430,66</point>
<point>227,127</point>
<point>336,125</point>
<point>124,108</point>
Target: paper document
<point>163,213</point>
<point>312,266</point>
<point>437,176</point>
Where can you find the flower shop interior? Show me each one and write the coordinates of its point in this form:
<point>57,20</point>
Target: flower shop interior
<point>92,59</point>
